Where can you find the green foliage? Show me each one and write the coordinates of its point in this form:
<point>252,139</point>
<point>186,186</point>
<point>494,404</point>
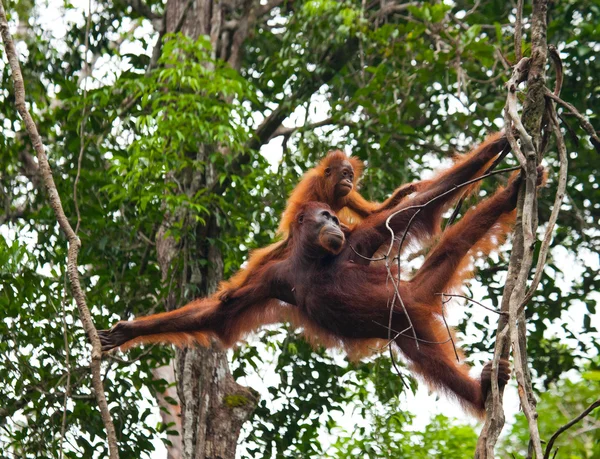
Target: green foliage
<point>392,437</point>
<point>421,84</point>
<point>563,402</point>
<point>190,102</point>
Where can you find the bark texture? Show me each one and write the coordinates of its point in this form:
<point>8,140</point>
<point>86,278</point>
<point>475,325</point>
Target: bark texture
<point>512,326</point>
<point>171,415</point>
<point>213,406</point>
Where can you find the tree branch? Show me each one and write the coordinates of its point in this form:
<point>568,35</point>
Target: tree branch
<point>511,328</point>
<point>568,425</point>
<point>560,194</point>
<point>285,131</point>
<point>512,331</point>
<point>334,62</point>
<point>585,124</point>
<point>74,242</point>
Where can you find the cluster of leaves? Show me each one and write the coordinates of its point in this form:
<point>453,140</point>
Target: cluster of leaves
<point>394,438</point>
<point>189,102</point>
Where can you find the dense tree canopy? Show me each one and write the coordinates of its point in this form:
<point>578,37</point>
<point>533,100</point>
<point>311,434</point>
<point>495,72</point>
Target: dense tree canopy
<point>144,127</point>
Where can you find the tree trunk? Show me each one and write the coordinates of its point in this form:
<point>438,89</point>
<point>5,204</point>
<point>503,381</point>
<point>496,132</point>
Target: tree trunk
<point>213,406</point>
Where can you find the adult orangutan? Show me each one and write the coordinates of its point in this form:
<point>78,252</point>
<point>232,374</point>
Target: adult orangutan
<point>333,181</point>
<point>328,279</point>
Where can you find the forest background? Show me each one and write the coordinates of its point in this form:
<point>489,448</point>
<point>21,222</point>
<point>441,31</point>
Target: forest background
<point>176,130</point>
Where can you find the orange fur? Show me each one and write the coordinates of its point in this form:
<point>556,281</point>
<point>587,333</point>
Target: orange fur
<point>314,186</point>
<point>494,237</point>
<point>342,301</point>
<point>490,242</point>
<point>355,349</point>
<point>462,158</point>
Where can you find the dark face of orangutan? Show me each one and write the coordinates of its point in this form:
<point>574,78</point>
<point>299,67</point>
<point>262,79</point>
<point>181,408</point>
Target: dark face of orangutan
<point>342,175</point>
<point>331,236</point>
<point>323,224</point>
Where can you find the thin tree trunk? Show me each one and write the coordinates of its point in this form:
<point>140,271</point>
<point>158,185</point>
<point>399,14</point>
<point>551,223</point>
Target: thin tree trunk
<point>170,414</point>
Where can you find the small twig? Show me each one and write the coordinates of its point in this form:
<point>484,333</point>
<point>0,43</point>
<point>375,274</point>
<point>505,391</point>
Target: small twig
<point>451,190</point>
<point>558,68</point>
<point>567,426</point>
<point>459,204</point>
<point>397,295</point>
<point>519,31</point>
<point>389,342</point>
<point>402,333</point>
<point>383,257</point>
<point>448,329</point>
<point>455,295</point>
<point>585,124</point>
<point>396,368</point>
<point>419,207</point>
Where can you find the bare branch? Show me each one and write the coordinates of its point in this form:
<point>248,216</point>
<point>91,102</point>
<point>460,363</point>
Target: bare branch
<point>560,194</point>
<point>459,204</point>
<point>568,425</point>
<point>585,124</point>
<point>519,31</point>
<point>74,242</point>
<point>335,60</point>
<point>558,67</point>
<point>281,130</point>
<point>386,257</point>
<point>403,333</point>
<point>512,330</point>
<point>455,295</point>
<point>448,329</point>
<point>521,257</point>
<point>395,365</point>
